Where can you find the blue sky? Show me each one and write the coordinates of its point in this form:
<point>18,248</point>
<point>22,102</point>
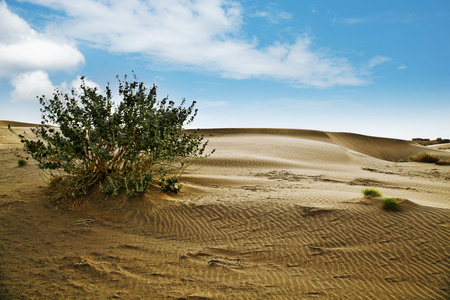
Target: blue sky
<point>372,67</point>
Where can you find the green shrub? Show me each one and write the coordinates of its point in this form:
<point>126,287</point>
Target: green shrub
<point>125,147</point>
<point>426,158</point>
<point>369,192</point>
<point>391,204</point>
<point>401,160</point>
<point>22,162</point>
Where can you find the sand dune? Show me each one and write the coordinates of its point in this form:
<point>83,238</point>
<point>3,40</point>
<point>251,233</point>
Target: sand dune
<point>4,123</point>
<point>382,148</point>
<point>274,214</point>
<point>9,140</point>
<point>445,146</point>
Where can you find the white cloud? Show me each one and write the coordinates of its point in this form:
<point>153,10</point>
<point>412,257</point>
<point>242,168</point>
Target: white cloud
<point>377,60</point>
<point>31,84</point>
<point>23,49</point>
<point>27,86</point>
<point>203,35</point>
<point>402,67</point>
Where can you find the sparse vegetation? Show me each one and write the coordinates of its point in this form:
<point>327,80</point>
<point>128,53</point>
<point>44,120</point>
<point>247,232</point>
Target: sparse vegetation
<point>128,147</point>
<point>402,160</point>
<point>427,142</point>
<point>391,204</point>
<point>22,162</point>
<point>425,158</point>
<point>370,192</point>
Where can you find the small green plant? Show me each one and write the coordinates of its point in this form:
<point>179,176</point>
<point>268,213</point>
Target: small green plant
<point>391,204</point>
<point>22,162</point>
<point>369,193</point>
<point>425,158</point>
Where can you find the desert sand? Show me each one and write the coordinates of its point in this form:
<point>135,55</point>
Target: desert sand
<point>273,214</point>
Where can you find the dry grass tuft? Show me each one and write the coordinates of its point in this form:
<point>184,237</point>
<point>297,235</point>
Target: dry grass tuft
<point>391,204</point>
<point>370,193</point>
<point>426,158</point>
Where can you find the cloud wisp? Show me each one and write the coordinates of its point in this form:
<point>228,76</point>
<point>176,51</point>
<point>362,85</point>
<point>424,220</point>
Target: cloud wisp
<point>352,21</point>
<point>202,35</point>
<point>377,60</point>
<point>272,13</point>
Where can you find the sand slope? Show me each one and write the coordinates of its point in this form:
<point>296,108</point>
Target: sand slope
<point>274,213</point>
<point>9,140</point>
